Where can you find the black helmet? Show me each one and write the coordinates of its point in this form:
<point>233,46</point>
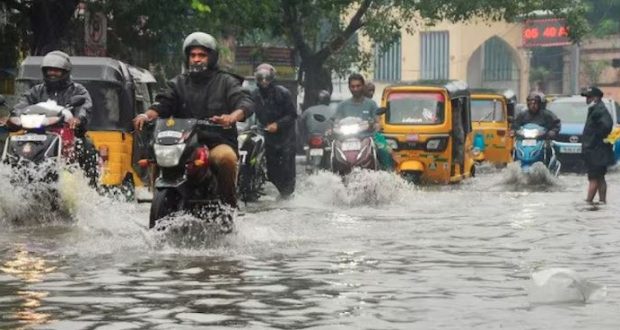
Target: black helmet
<point>57,60</point>
<point>539,97</point>
<point>324,97</point>
<point>201,39</point>
<point>266,72</point>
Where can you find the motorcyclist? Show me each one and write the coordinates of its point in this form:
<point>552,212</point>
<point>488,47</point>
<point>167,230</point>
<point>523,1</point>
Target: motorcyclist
<point>369,90</point>
<point>58,86</point>
<point>310,124</point>
<point>538,114</point>
<point>204,91</point>
<point>275,111</point>
<point>359,105</point>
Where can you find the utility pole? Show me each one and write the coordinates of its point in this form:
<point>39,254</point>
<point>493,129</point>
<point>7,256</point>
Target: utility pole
<point>576,68</point>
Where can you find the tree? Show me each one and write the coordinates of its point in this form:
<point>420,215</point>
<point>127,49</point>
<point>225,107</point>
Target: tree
<point>321,30</point>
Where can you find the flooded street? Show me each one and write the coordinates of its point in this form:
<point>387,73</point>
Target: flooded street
<point>376,253</point>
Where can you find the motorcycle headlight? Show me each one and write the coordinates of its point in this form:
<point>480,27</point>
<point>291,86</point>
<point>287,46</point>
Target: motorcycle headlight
<point>476,151</point>
<point>241,138</point>
<point>392,144</point>
<point>530,133</point>
<point>168,156</point>
<point>32,121</point>
<point>352,129</point>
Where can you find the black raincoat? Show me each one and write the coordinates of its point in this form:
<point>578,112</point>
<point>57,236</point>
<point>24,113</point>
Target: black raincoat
<point>595,152</point>
<point>204,95</point>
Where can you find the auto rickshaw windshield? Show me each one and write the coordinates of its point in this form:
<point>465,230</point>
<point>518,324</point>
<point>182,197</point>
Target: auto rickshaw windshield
<point>486,110</point>
<point>419,108</point>
<point>106,113</point>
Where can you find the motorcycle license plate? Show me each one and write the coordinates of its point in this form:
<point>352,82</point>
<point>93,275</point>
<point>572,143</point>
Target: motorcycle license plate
<point>169,134</point>
<point>316,152</point>
<point>351,145</point>
<point>570,149</point>
<point>29,138</point>
<point>529,143</point>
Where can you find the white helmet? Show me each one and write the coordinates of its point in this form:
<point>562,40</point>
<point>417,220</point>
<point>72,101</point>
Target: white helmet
<point>201,39</point>
<point>56,59</point>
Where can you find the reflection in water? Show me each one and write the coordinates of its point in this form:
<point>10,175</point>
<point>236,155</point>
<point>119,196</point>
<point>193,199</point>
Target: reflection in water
<point>367,253</point>
<point>30,269</point>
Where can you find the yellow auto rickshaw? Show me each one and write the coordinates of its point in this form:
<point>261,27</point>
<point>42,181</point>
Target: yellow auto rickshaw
<point>492,112</point>
<point>119,92</point>
<point>427,124</point>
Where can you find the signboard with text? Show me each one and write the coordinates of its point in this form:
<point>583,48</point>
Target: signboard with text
<point>547,32</point>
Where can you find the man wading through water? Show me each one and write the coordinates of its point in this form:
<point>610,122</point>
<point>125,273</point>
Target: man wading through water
<point>597,154</point>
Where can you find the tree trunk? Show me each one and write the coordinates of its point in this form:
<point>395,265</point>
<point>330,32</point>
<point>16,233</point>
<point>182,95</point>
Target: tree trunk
<point>315,79</point>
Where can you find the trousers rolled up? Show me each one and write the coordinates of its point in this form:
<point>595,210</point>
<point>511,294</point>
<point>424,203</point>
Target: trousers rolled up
<point>281,168</point>
<point>224,161</point>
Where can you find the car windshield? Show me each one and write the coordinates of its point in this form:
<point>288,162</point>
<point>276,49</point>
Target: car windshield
<point>415,108</point>
<point>570,112</point>
<point>487,110</point>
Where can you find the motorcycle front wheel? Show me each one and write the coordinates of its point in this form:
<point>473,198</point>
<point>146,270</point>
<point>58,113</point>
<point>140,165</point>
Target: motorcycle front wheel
<point>165,202</point>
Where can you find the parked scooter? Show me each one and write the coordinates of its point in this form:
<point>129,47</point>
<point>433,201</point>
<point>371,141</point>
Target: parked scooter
<point>252,164</point>
<point>353,146</point>
<point>185,181</point>
<point>530,144</point>
<point>318,150</point>
<point>44,142</point>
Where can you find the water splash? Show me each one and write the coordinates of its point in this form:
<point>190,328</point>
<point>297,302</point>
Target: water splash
<point>24,203</point>
<point>536,178</point>
<point>359,188</point>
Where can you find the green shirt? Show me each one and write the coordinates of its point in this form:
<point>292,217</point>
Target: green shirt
<point>349,108</point>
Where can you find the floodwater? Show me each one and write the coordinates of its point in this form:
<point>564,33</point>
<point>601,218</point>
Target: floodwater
<point>374,253</point>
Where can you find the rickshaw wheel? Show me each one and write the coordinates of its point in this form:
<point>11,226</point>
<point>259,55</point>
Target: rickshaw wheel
<point>412,177</point>
<point>128,188</point>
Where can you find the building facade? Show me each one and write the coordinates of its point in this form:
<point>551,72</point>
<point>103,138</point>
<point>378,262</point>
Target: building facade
<point>483,54</point>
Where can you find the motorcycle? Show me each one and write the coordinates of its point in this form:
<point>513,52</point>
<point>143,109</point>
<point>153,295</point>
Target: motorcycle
<point>44,141</point>
<point>530,144</point>
<point>185,181</point>
<point>318,150</point>
<point>252,164</point>
<point>353,146</point>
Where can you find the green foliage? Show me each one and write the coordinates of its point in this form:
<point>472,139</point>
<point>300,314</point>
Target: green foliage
<point>593,70</point>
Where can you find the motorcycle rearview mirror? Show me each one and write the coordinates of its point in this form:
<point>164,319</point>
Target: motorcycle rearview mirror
<point>77,101</point>
<point>319,117</point>
<point>381,111</point>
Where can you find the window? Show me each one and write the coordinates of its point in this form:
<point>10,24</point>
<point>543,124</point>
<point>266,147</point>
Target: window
<point>487,110</point>
<point>416,108</point>
<point>435,55</point>
<point>498,63</point>
<point>388,62</point>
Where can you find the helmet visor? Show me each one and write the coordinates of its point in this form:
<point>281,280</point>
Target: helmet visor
<point>263,75</point>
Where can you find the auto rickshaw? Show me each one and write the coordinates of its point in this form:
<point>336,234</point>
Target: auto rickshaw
<point>119,92</point>
<point>427,124</point>
<point>492,111</point>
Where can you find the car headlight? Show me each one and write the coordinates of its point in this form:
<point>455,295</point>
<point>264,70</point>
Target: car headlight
<point>168,156</point>
<point>392,144</point>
